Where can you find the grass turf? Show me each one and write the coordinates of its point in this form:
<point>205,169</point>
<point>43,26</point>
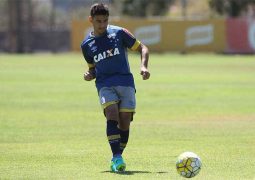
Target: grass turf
<point>52,127</point>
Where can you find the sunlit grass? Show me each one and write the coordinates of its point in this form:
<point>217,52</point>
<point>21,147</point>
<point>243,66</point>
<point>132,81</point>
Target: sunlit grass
<point>52,127</point>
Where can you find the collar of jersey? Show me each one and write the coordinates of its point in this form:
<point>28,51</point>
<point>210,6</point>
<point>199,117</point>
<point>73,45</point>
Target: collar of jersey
<point>92,33</point>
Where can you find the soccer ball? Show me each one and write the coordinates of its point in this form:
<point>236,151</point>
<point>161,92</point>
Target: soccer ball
<point>188,164</point>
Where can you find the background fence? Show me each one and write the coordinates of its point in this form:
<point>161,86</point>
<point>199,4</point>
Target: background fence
<point>226,35</point>
<point>59,25</point>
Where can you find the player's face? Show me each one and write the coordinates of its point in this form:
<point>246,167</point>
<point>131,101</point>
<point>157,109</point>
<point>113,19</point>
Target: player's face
<point>100,23</point>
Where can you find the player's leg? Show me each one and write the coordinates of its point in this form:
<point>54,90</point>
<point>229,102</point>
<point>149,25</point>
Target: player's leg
<point>113,135</point>
<point>124,124</point>
<point>112,131</point>
<point>109,101</point>
<point>127,108</point>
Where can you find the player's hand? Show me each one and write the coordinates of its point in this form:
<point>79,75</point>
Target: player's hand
<point>89,75</point>
<point>145,73</point>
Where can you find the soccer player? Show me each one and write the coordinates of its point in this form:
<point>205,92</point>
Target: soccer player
<point>105,50</point>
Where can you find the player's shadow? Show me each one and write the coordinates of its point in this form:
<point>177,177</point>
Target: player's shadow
<point>133,172</point>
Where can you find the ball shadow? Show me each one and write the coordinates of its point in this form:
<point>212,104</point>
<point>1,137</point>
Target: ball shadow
<point>133,172</point>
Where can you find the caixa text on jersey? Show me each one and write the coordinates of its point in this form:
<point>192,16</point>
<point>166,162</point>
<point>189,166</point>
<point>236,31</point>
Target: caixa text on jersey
<point>106,54</point>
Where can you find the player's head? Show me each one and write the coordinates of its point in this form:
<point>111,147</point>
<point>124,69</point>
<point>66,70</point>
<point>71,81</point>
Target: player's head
<point>99,9</point>
<point>99,14</point>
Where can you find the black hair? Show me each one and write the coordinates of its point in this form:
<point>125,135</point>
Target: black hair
<point>99,9</point>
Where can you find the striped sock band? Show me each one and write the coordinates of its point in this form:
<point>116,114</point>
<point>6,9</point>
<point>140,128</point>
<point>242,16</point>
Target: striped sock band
<point>113,135</point>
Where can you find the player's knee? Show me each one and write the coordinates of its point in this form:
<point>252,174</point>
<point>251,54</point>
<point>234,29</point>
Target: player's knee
<point>111,112</point>
<point>125,119</point>
<point>126,116</point>
<point>124,127</point>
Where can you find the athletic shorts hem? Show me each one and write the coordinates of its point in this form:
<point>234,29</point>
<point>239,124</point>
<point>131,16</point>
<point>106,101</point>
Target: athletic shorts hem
<point>105,105</point>
<point>126,110</point>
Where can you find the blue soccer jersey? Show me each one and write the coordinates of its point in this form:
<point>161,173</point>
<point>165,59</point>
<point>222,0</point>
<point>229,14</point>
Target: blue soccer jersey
<point>108,54</point>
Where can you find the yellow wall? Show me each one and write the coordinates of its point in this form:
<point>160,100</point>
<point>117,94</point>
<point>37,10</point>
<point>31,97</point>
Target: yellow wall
<point>166,35</point>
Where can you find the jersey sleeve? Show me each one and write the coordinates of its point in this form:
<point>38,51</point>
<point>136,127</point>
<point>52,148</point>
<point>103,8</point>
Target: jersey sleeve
<point>129,40</point>
<point>87,57</point>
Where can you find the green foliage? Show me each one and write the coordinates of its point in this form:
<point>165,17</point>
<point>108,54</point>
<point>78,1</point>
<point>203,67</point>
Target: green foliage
<point>3,15</point>
<point>144,8</point>
<point>52,126</point>
<point>231,8</point>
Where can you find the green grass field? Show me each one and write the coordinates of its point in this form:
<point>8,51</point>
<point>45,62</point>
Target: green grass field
<point>52,127</point>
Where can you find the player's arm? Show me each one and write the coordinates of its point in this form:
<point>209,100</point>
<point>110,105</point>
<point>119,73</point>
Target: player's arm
<point>90,74</point>
<point>132,43</point>
<point>144,51</point>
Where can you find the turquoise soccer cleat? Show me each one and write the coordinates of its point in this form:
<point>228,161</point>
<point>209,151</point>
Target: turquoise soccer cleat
<point>118,164</point>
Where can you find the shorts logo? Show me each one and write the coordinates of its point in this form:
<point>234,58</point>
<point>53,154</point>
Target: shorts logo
<point>102,100</point>
<point>106,54</point>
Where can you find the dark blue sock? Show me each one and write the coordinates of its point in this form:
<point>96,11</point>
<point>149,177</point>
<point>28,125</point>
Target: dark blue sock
<point>123,139</point>
<point>113,135</point>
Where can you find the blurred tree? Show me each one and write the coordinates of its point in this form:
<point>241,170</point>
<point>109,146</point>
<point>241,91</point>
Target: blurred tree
<point>184,8</point>
<point>53,26</point>
<point>20,24</point>
<point>232,8</point>
<point>3,15</point>
<point>143,8</point>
